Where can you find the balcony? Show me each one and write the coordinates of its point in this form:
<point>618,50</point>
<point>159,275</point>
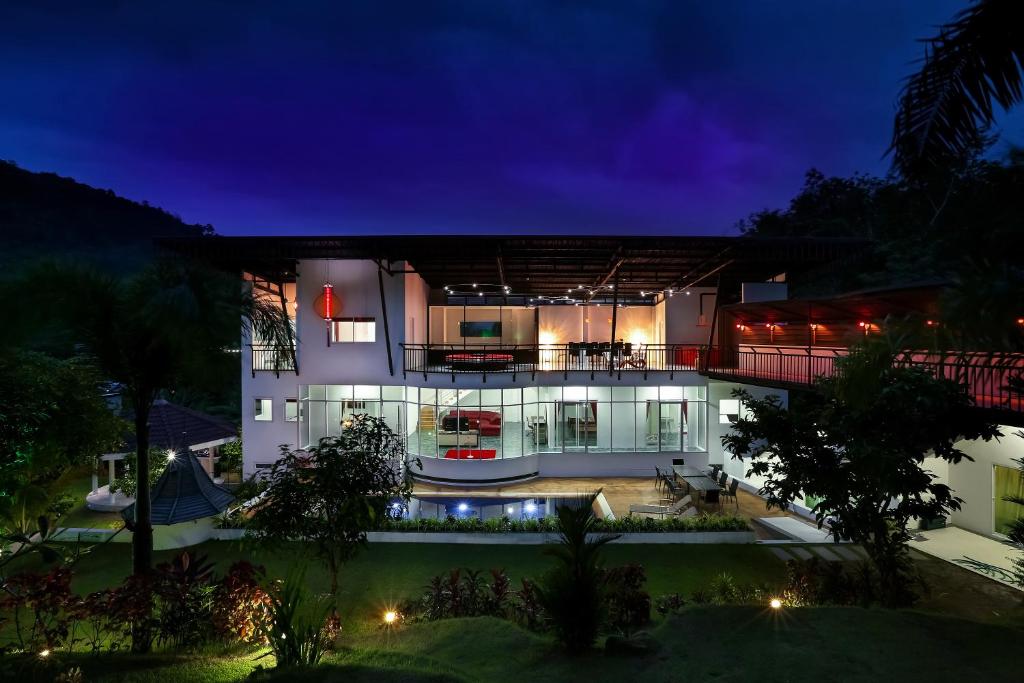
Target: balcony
<point>592,357</point>
<point>994,380</point>
<point>275,359</point>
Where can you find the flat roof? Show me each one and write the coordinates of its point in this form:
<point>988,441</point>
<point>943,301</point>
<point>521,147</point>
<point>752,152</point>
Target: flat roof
<point>534,265</point>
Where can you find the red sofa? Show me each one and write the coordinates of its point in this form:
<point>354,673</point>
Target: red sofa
<point>487,422</point>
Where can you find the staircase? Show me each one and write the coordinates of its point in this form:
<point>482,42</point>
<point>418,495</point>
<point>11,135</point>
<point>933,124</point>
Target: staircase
<point>428,419</point>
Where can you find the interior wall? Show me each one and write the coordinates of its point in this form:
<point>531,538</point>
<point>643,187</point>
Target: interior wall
<point>517,324</point>
<point>564,324</point>
<point>683,321</point>
<point>416,293</point>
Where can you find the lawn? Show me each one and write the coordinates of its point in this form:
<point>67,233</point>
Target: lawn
<point>385,573</point>
<point>703,643</point>
<point>78,484</point>
<point>707,643</point>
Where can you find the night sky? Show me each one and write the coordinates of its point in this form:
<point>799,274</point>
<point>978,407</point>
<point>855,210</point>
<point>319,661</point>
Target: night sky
<point>557,117</point>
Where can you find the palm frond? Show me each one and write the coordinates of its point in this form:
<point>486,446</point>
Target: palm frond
<point>970,67</point>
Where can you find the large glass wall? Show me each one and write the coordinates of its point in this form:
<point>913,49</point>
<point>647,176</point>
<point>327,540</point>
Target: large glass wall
<point>508,423</point>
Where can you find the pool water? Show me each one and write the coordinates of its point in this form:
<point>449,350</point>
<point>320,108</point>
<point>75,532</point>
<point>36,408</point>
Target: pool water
<point>469,507</point>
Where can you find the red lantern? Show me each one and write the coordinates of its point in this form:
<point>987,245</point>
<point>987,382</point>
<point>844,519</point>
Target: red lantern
<point>327,305</point>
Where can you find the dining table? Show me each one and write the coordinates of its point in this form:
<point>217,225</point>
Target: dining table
<point>695,477</point>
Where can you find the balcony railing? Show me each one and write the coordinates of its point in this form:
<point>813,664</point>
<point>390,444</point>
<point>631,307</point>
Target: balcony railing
<point>994,380</point>
<point>276,359</point>
<point>532,358</point>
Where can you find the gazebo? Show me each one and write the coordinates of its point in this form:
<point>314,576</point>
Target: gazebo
<point>172,428</point>
<point>185,502</point>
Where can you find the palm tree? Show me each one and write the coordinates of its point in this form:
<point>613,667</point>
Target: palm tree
<point>148,332</point>
<point>972,65</point>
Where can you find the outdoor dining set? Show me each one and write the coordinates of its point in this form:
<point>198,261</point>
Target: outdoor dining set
<point>684,490</point>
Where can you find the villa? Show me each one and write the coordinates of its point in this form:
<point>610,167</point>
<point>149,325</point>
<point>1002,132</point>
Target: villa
<point>504,360</point>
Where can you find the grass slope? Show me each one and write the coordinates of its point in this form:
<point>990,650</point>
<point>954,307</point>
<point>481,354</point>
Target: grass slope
<point>708,643</point>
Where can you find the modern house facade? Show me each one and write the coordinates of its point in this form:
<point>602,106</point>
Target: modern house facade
<point>500,360</point>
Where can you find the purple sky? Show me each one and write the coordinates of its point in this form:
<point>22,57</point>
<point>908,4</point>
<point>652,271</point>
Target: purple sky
<point>611,117</point>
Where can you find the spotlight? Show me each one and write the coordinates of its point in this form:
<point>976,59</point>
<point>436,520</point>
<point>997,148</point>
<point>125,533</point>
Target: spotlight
<point>170,455</point>
<point>775,603</point>
<point>463,507</point>
<point>510,509</point>
<point>43,654</point>
<point>531,508</point>
<point>390,617</point>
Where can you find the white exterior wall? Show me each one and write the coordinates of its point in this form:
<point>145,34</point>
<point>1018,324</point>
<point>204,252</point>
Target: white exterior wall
<point>356,287</point>
<point>682,312</point>
<point>974,481</point>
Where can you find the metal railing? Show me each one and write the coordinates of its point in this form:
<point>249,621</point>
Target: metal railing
<point>994,380</point>
<point>276,359</point>
<point>590,357</point>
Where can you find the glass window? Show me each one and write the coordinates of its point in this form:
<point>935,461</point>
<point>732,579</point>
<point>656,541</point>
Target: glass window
<point>622,394</point>
<point>1008,482</point>
<point>671,393</point>
<point>291,410</point>
<point>728,411</point>
<point>263,410</point>
<point>353,330</point>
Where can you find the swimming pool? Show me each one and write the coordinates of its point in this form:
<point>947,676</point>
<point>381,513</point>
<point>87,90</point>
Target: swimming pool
<point>442,506</point>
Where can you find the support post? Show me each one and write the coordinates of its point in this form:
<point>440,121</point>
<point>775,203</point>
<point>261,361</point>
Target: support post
<point>384,315</point>
<point>615,319</point>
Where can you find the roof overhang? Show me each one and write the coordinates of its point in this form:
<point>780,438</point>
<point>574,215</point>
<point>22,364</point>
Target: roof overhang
<point>534,266</point>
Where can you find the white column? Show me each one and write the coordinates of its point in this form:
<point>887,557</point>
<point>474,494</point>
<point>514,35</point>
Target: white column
<point>110,478</point>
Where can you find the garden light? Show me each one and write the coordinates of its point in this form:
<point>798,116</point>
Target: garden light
<point>775,603</point>
<point>44,654</point>
<point>463,507</point>
<point>170,455</point>
<point>390,617</point>
<point>530,507</point>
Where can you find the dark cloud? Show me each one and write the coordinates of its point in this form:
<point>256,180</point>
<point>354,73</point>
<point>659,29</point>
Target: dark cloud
<point>455,116</point>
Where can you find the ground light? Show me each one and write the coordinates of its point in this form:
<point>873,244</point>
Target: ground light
<point>43,654</point>
<point>390,617</point>
<point>775,603</point>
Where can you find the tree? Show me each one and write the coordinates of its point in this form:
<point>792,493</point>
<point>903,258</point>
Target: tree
<point>148,331</point>
<point>573,592</point>
<point>52,416</point>
<point>858,448</point>
<point>970,67</point>
<point>330,495</point>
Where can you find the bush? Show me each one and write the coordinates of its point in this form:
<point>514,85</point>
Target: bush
<point>817,582</point>
<point>671,603</point>
<point>184,587</point>
<point>629,605</point>
<point>299,633</point>
<point>241,608</point>
<point>504,525</point>
<point>463,593</point>
<point>723,590</point>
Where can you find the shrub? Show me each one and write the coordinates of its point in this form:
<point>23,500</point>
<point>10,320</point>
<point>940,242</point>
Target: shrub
<point>817,582</point>
<point>629,605</point>
<point>41,607</point>
<point>671,603</point>
<point>185,591</point>
<point>241,608</point>
<point>462,593</point>
<point>300,631</point>
<point>723,590</point>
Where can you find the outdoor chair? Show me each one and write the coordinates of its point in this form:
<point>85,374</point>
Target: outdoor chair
<point>712,497</point>
<point>731,492</point>
<point>715,469</point>
<point>722,478</point>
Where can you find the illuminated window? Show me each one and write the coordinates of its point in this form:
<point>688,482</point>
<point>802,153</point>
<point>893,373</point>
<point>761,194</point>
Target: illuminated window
<point>352,330</point>
<point>730,410</point>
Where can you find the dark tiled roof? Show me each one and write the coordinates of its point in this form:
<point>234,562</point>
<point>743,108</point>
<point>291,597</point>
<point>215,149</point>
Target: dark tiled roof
<point>184,492</point>
<point>177,428</point>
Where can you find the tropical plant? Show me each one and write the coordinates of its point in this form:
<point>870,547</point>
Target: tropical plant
<point>858,449</point>
<point>629,605</point>
<point>129,483</point>
<point>148,332</point>
<point>573,592</point>
<point>185,592</point>
<point>972,66</point>
<point>331,495</point>
<point>241,607</point>
<point>301,630</point>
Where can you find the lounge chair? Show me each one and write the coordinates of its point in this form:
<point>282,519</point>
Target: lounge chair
<point>677,508</point>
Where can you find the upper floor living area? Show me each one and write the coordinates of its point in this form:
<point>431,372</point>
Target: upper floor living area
<point>442,307</point>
